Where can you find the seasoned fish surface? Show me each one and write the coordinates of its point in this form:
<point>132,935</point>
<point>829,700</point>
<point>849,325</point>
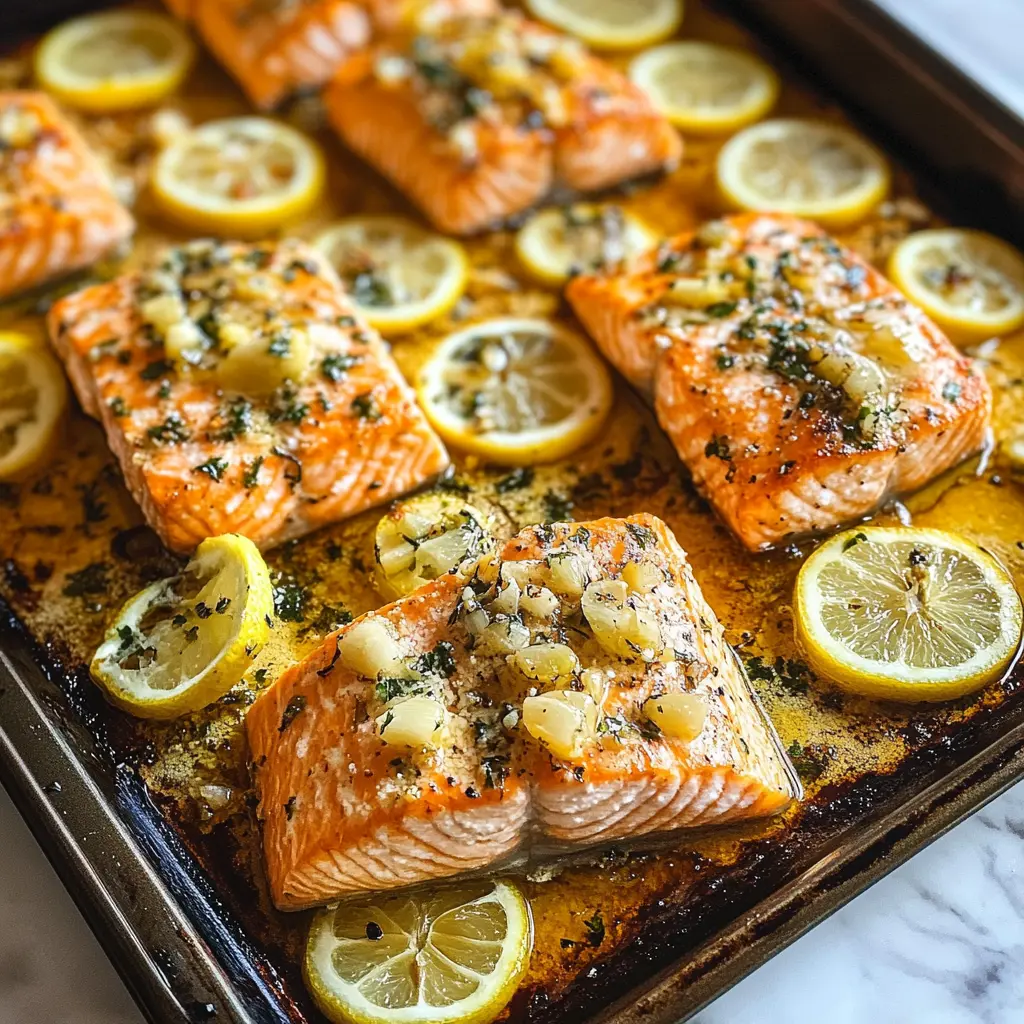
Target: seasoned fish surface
<point>58,212</point>
<point>348,807</point>
<point>278,49</point>
<point>242,394</point>
<point>478,119</point>
<point>797,384</point>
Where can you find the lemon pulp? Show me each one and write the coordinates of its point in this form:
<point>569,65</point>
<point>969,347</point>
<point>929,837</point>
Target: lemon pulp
<point>906,613</point>
<point>451,956</point>
<point>33,397</point>
<point>516,391</point>
<point>969,282</point>
<point>399,275</point>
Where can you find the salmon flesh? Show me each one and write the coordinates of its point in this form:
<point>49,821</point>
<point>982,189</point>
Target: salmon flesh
<point>346,809</point>
<point>478,119</point>
<point>799,387</point>
<point>242,393</point>
<point>58,212</point>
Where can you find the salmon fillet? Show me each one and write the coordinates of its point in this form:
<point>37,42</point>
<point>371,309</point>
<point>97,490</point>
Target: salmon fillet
<point>241,393</point>
<point>184,9</point>
<point>275,51</point>
<point>58,213</point>
<point>478,119</point>
<point>799,387</point>
<point>346,807</point>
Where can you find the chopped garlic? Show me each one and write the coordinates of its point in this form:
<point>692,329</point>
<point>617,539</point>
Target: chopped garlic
<point>678,715</point>
<point>372,648</point>
<point>565,721</point>
<point>412,722</point>
<point>547,663</point>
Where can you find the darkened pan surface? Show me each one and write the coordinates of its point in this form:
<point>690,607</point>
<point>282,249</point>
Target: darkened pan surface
<point>173,898</point>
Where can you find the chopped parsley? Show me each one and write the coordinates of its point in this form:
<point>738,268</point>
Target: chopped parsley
<point>595,929</point>
<point>718,448</point>
<point>336,365</point>
<point>440,661</point>
<point>296,705</point>
<point>155,370</point>
<point>365,407</point>
<point>118,406</point>
<point>214,468</point>
<point>515,480</point>
<point>172,431</point>
<point>290,602</point>
<point>252,473</point>
<point>951,391</point>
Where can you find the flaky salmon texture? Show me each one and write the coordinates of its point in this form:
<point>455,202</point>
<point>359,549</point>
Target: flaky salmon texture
<point>800,388</point>
<point>279,48</point>
<point>574,689</point>
<point>478,119</point>
<point>241,393</point>
<point>58,212</point>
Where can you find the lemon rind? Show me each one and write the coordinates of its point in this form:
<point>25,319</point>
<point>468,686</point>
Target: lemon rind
<point>249,218</point>
<point>226,668</point>
<point>48,378</point>
<point>654,30</point>
<point>409,316</point>
<point>532,447</point>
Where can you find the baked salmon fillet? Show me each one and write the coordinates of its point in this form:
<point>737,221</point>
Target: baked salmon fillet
<point>573,689</point>
<point>478,119</point>
<point>241,393</point>
<point>799,387</point>
<point>275,50</point>
<point>58,212</point>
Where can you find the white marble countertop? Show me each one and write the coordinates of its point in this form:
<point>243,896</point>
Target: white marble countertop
<point>941,939</point>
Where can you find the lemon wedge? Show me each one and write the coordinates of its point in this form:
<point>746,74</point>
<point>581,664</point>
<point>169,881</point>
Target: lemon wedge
<point>241,177</point>
<point>33,396</point>
<point>556,243</point>
<point>908,614</point>
<point>399,275</point>
<point>970,283</point>
<point>612,24</point>
<point>516,391</point>
<point>803,167</point>
<point>454,955</point>
<point>183,642</point>
<point>706,88</point>
<point>114,60</point>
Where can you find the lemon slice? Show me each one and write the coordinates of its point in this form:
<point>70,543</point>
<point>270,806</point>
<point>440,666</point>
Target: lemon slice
<point>114,60</point>
<point>516,391</point>
<point>399,275</point>
<point>970,283</point>
<point>803,167</point>
<point>907,614</point>
<point>33,396</point>
<point>241,177</point>
<point>183,642</point>
<point>454,955</point>
<point>556,243</point>
<point>702,87</point>
<point>612,24</point>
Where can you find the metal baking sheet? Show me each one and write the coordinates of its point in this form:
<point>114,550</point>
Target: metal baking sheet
<point>183,926</point>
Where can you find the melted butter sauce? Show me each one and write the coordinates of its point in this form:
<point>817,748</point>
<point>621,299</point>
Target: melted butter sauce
<point>73,547</point>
